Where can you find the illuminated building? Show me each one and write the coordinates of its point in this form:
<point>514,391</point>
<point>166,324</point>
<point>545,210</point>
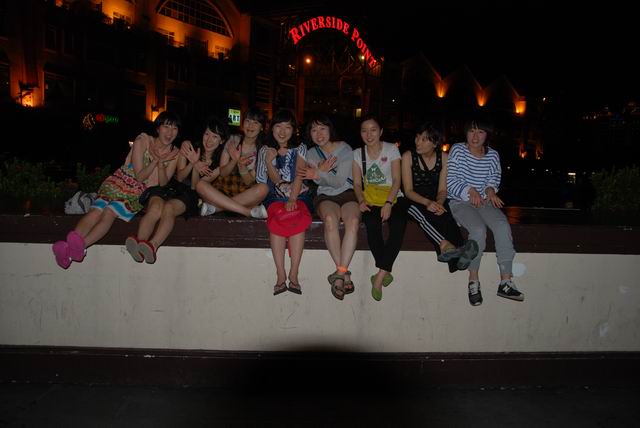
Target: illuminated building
<point>136,57</point>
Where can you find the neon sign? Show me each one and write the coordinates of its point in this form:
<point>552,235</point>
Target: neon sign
<point>333,23</point>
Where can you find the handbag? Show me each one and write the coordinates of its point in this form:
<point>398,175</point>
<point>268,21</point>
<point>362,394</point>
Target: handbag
<point>287,223</point>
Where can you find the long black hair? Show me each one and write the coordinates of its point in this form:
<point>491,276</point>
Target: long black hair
<point>217,126</point>
<point>260,116</point>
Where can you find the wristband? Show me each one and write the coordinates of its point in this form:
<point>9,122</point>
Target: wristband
<point>388,202</point>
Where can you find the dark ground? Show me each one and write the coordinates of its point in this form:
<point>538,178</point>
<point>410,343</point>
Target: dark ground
<point>24,405</point>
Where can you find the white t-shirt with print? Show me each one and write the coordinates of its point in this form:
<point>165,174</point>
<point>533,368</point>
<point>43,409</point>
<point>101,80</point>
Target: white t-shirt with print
<point>379,170</point>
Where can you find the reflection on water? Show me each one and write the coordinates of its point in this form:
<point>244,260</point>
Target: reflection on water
<point>534,215</point>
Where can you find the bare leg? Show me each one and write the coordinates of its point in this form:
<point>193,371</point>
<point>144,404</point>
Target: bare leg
<point>296,245</point>
<point>151,217</point>
<point>101,228</point>
<point>88,221</point>
<point>330,214</point>
<point>172,209</point>
<point>213,196</point>
<point>351,218</point>
<point>252,196</point>
<point>278,247</point>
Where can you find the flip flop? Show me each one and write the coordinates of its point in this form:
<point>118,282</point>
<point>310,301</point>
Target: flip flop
<point>61,251</point>
<point>279,288</point>
<point>296,289</point>
<point>76,246</point>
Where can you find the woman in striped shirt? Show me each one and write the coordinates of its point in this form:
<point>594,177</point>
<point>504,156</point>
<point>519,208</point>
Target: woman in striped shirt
<point>473,181</point>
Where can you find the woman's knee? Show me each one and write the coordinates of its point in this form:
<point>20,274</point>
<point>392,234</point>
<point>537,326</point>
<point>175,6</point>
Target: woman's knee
<point>478,233</point>
<point>168,211</point>
<point>155,207</point>
<point>331,222</point>
<point>352,223</point>
<point>202,187</point>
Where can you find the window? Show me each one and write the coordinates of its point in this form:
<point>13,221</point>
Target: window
<point>169,35</point>
<point>69,44</point>
<point>3,18</point>
<point>4,81</point>
<point>51,37</point>
<point>196,12</point>
<point>121,21</point>
<point>197,46</point>
<point>178,72</point>
<point>59,91</point>
<point>221,52</point>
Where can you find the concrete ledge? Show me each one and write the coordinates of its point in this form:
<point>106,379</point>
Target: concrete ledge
<point>238,232</point>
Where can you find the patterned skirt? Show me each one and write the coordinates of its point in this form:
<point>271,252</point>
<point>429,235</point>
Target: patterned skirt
<point>123,191</point>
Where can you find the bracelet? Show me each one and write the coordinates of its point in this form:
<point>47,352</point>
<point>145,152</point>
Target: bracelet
<point>388,202</point>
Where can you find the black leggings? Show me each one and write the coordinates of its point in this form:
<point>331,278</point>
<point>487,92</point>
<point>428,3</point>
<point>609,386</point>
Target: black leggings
<point>385,253</point>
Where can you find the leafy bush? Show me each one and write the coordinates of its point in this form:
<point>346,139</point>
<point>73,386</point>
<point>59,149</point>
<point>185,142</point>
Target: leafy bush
<point>617,190</point>
<point>90,182</point>
<point>24,180</point>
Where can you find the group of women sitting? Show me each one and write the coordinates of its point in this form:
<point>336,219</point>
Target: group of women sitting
<point>280,178</point>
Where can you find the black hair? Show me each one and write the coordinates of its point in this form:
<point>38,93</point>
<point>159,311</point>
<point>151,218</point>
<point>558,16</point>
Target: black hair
<point>370,116</point>
<point>480,121</point>
<point>434,134</point>
<point>259,115</point>
<point>217,126</point>
<point>321,119</point>
<point>167,118</point>
<point>283,116</point>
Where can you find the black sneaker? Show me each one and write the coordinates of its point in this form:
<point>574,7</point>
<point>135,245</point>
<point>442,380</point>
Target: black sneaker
<point>508,290</point>
<point>475,295</point>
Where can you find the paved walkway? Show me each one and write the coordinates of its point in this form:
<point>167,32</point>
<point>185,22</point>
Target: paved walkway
<point>116,406</point>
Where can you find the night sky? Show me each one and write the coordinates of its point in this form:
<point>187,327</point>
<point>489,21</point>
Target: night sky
<point>583,53</point>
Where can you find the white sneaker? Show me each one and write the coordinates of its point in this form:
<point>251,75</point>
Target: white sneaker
<point>259,212</point>
<point>207,209</point>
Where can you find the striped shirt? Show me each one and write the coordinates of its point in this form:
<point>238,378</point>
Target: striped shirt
<point>465,171</point>
<point>287,169</point>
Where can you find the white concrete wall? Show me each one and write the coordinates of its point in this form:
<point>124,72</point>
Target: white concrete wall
<point>221,299</point>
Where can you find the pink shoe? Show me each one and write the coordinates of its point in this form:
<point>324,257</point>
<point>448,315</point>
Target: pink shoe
<point>61,251</point>
<point>76,246</point>
<point>131,244</point>
<point>148,251</point>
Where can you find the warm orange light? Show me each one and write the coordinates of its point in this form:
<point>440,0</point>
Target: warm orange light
<point>520,106</point>
<point>307,60</point>
<point>27,100</point>
<point>481,96</point>
<point>441,88</point>
<point>446,147</point>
